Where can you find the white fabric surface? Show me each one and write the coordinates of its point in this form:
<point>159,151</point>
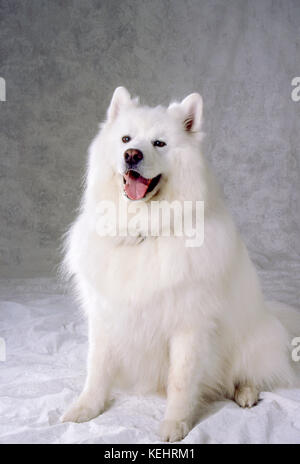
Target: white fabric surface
<point>46,345</point>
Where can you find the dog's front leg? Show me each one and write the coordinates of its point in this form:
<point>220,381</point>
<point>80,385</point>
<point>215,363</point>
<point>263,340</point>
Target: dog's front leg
<point>183,387</point>
<point>91,401</point>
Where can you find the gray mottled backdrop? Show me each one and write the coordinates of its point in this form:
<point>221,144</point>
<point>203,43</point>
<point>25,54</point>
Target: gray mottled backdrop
<point>62,60</point>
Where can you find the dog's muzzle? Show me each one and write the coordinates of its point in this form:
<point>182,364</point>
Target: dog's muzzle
<point>136,186</point>
<point>133,157</point>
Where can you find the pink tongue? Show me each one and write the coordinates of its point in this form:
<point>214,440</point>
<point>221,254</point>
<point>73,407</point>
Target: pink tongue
<point>136,188</point>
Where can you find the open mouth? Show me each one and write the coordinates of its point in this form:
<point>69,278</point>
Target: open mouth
<point>136,186</point>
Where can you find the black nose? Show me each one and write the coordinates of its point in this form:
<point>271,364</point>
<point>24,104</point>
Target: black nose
<point>132,157</point>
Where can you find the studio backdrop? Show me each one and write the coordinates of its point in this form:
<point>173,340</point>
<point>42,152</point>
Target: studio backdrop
<point>61,61</point>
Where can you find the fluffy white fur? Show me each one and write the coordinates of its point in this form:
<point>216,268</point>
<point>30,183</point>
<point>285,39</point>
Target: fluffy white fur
<point>191,322</point>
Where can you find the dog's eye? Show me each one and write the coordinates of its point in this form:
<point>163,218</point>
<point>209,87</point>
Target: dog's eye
<point>159,143</point>
<point>126,139</point>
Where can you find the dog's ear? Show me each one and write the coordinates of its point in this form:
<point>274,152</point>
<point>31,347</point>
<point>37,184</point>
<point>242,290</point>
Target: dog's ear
<point>120,97</point>
<point>190,111</point>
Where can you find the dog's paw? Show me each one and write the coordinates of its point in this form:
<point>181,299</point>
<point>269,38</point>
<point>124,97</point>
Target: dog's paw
<point>171,430</point>
<point>246,396</point>
<point>81,411</point>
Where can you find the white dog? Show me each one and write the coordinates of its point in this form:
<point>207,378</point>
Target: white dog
<point>188,321</point>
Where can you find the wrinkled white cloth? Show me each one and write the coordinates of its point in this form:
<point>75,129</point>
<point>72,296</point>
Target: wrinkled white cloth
<point>46,347</point>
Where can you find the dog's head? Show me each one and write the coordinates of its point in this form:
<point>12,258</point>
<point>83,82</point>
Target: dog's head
<point>142,145</point>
